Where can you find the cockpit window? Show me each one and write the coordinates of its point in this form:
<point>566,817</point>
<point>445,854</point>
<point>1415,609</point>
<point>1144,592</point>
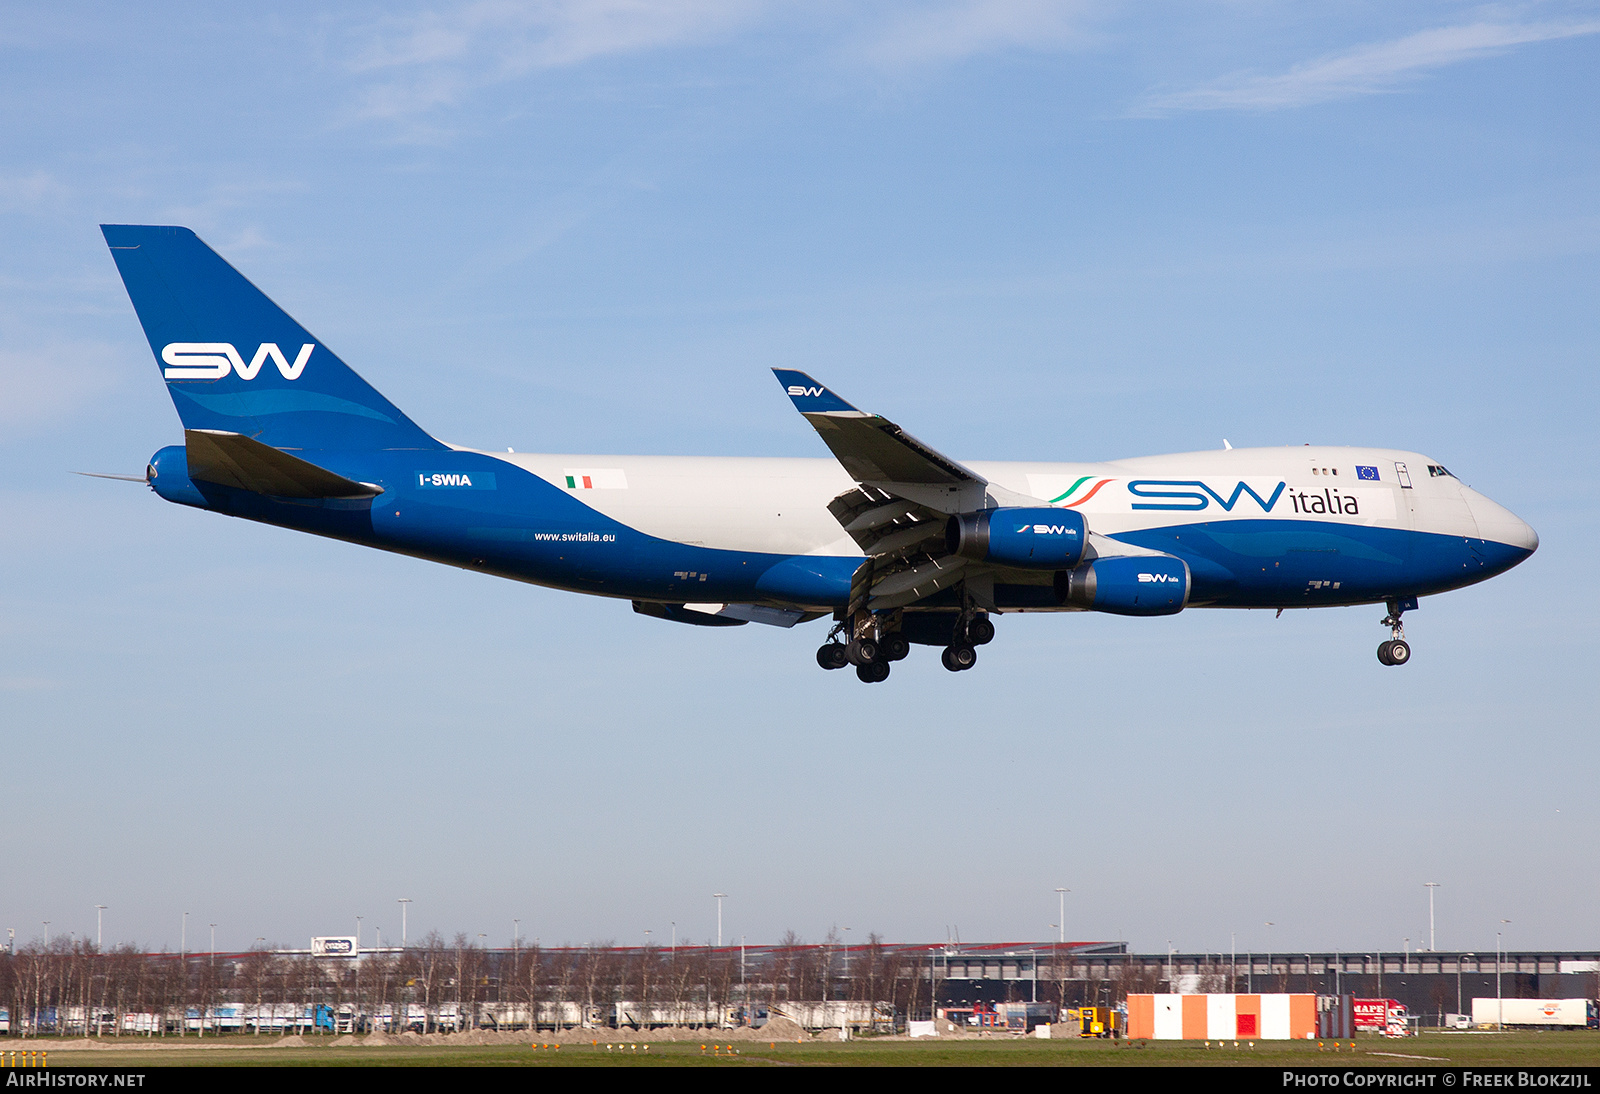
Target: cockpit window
<point>1438,472</point>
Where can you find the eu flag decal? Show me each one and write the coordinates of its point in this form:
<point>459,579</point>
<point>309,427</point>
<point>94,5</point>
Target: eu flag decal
<point>1368,473</point>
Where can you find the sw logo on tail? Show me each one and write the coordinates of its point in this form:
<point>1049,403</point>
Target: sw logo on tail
<point>214,360</point>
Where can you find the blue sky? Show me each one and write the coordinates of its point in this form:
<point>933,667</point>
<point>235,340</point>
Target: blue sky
<point>1023,230</point>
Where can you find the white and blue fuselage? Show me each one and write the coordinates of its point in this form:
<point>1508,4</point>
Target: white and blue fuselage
<point>278,429</point>
<point>1258,528</point>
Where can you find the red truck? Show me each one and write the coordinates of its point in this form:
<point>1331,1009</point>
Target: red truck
<point>1380,1016</point>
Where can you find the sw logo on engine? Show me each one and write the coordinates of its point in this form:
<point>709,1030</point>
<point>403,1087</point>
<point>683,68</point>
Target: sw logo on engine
<point>214,360</point>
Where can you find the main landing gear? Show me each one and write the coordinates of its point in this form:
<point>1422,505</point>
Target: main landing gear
<point>870,652</point>
<point>1396,651</point>
<point>878,641</point>
<point>970,632</point>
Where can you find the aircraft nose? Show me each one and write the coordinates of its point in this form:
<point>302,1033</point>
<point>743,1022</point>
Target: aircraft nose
<point>1499,524</point>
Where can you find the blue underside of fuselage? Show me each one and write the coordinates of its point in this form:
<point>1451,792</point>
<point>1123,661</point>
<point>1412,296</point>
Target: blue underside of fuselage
<point>1307,563</point>
<point>512,523</point>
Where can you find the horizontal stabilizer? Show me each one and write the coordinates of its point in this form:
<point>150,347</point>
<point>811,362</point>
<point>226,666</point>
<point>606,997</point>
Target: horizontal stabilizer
<point>232,459</point>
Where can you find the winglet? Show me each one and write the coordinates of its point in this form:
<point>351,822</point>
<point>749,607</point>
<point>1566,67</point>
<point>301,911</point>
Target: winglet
<point>871,448</point>
<point>810,397</point>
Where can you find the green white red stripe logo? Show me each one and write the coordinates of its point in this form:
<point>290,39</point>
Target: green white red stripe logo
<point>1059,499</point>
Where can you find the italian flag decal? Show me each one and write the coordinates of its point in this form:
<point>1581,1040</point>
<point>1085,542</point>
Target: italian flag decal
<point>594,478</point>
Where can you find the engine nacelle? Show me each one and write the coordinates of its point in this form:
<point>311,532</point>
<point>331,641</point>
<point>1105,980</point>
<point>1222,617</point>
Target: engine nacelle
<point>1030,539</point>
<point>1127,585</point>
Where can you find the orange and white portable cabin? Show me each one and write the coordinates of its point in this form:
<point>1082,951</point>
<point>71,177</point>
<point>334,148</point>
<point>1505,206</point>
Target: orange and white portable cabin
<point>1275,1017</point>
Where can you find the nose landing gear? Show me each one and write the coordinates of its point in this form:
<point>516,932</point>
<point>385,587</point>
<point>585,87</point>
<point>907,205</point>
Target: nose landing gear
<point>1396,651</point>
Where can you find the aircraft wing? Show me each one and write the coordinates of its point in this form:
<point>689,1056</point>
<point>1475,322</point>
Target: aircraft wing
<point>905,494</point>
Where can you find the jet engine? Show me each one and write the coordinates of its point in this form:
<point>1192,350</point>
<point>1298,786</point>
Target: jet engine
<point>1127,585</point>
<point>1030,539</point>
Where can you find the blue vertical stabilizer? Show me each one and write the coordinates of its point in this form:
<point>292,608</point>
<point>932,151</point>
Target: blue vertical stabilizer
<point>235,362</point>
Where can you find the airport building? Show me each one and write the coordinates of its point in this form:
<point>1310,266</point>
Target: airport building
<point>336,985</point>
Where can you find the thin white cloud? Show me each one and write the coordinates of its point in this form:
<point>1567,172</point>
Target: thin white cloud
<point>955,30</point>
<point>30,193</point>
<point>51,382</point>
<point>417,65</point>
<point>435,58</point>
<point>1365,70</point>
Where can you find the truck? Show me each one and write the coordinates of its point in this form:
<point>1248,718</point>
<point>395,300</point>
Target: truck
<point>1541,1013</point>
<point>1386,1016</point>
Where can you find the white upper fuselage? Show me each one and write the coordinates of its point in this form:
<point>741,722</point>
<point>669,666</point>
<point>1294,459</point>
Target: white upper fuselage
<point>780,506</point>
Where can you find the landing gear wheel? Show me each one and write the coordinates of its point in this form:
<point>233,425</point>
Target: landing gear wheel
<point>1396,651</point>
<point>875,673</point>
<point>959,658</point>
<point>980,631</point>
<point>832,655</point>
<point>863,651</point>
<point>894,646</point>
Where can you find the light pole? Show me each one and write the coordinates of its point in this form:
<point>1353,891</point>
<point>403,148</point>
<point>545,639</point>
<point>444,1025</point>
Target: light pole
<point>99,909</point>
<point>358,932</point>
<point>484,945</point>
<point>183,939</point>
<point>1061,917</point>
<point>1431,886</point>
<point>213,947</point>
<point>1499,997</point>
<point>719,897</point>
<point>1269,953</point>
<point>46,923</point>
<point>403,901</point>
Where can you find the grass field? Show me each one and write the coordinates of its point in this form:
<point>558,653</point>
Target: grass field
<point>1554,1049</point>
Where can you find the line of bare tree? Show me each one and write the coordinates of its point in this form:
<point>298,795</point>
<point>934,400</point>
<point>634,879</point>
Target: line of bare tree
<point>70,986</point>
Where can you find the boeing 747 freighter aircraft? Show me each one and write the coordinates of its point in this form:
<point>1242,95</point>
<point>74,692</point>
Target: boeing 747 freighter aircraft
<point>894,541</point>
